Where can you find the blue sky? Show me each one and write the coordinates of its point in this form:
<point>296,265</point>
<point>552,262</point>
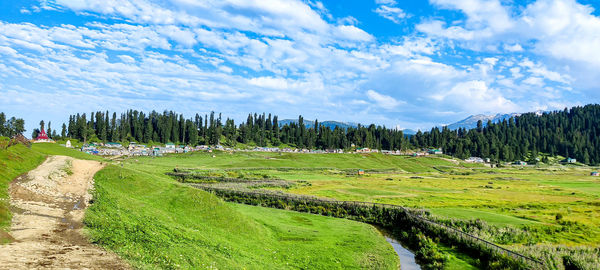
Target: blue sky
<point>406,64</point>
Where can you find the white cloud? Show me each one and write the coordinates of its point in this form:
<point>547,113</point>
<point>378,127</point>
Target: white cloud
<point>476,96</point>
<point>269,82</point>
<point>351,32</point>
<point>182,36</point>
<point>393,14</point>
<point>513,48</point>
<point>154,51</point>
<point>562,29</point>
<point>534,81</point>
<point>438,28</point>
<point>481,14</point>
<point>8,51</point>
<point>516,72</point>
<point>127,59</point>
<point>383,101</point>
<point>386,2</point>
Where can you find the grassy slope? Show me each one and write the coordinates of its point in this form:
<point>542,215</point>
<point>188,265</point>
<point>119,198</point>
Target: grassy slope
<point>274,160</point>
<point>509,196</point>
<point>153,221</point>
<point>303,234</point>
<point>14,161</point>
<point>57,149</point>
<point>202,160</point>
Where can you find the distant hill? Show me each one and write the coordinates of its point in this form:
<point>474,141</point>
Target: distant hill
<point>409,132</point>
<point>330,124</point>
<point>471,121</point>
<point>333,124</point>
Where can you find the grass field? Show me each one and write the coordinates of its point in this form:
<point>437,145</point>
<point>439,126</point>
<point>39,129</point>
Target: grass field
<point>57,149</point>
<point>529,198</point>
<point>547,205</point>
<point>152,221</point>
<point>519,197</point>
<point>14,161</point>
<point>203,160</point>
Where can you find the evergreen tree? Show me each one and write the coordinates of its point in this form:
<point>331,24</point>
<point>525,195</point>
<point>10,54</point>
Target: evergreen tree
<point>63,132</point>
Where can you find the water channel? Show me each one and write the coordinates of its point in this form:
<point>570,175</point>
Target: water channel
<point>407,258</point>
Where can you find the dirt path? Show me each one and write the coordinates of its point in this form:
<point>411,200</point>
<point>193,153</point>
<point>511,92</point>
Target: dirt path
<point>48,205</point>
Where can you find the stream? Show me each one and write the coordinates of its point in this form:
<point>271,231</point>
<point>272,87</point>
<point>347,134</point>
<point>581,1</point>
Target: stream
<point>407,258</point>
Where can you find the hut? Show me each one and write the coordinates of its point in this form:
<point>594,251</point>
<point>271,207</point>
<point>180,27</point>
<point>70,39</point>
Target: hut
<point>436,151</point>
<point>361,172</point>
<point>42,137</point>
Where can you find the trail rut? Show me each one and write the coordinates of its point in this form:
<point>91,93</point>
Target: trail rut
<point>48,206</point>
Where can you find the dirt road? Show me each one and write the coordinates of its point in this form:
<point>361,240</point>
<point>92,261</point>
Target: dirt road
<point>48,205</point>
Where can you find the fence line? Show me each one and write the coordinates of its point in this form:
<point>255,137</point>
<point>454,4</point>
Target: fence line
<point>537,264</point>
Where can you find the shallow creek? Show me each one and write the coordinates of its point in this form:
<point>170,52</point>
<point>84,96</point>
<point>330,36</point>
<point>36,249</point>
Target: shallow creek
<point>407,258</point>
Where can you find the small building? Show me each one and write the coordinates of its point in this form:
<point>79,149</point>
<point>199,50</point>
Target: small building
<point>361,172</point>
<point>474,160</point>
<point>595,174</point>
<point>436,151</point>
<point>521,163</point>
<point>89,149</point>
<point>170,145</point>
<point>43,137</point>
<point>132,146</point>
<point>570,160</point>
<point>68,144</point>
<point>113,145</point>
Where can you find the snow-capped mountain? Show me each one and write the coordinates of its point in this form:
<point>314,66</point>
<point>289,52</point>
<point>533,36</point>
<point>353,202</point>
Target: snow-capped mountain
<point>471,121</point>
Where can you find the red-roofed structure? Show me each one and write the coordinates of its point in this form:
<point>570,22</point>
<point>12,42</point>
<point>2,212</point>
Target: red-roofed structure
<point>42,136</point>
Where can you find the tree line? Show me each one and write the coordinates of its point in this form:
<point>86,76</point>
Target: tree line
<point>10,127</point>
<point>211,129</point>
<point>570,133</point>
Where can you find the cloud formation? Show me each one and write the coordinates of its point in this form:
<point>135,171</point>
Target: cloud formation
<point>295,57</point>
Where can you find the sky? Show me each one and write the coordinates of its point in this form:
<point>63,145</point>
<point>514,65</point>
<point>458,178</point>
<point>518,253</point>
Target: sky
<point>403,64</point>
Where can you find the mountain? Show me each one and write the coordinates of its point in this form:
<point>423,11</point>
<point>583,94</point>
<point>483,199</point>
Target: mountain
<point>471,121</point>
<point>333,124</point>
<point>330,124</point>
<point>409,132</point>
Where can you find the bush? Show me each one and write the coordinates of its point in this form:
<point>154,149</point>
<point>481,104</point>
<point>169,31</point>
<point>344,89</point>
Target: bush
<point>571,264</point>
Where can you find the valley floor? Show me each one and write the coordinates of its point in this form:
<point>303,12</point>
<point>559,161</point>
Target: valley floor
<point>153,221</point>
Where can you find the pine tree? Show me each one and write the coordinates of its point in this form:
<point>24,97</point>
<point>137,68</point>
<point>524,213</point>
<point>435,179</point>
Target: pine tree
<point>63,133</point>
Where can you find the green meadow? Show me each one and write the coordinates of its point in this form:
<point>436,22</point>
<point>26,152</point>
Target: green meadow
<point>153,221</point>
<point>554,204</point>
<point>57,149</point>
